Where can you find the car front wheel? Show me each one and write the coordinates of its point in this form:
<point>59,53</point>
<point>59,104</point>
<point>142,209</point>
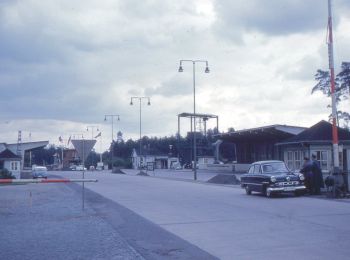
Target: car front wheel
<point>268,193</point>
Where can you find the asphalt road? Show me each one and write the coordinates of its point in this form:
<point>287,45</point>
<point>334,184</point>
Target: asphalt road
<point>228,224</point>
<point>162,218</point>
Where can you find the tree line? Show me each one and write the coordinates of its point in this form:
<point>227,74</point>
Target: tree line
<point>172,146</point>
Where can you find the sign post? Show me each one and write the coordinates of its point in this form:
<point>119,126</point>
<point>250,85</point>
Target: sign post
<point>83,147</point>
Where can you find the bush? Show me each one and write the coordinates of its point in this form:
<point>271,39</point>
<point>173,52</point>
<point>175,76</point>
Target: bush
<point>120,162</point>
<point>6,174</point>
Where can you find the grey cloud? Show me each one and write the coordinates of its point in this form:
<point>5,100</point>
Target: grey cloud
<point>176,86</point>
<point>273,17</point>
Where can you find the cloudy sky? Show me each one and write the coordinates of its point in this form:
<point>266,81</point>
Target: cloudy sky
<point>64,64</point>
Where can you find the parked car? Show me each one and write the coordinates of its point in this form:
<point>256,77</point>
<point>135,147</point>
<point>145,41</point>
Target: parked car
<point>39,172</point>
<point>80,168</point>
<point>272,177</point>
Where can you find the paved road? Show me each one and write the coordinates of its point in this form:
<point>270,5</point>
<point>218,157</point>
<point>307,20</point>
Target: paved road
<point>227,223</point>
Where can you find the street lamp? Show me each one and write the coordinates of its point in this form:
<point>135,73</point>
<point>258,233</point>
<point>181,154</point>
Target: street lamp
<point>140,102</point>
<point>112,144</point>
<point>194,106</point>
<point>92,127</point>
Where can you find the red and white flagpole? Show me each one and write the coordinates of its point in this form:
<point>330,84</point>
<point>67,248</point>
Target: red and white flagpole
<point>332,79</point>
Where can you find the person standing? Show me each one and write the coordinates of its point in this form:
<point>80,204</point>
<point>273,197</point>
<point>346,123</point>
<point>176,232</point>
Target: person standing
<point>308,174</point>
<point>317,177</point>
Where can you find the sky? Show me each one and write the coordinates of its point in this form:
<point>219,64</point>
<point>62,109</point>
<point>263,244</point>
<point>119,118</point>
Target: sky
<point>65,64</point>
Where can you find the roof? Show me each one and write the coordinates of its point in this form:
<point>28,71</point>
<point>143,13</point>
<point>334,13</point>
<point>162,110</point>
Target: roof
<point>7,154</point>
<point>197,115</point>
<point>279,132</point>
<point>318,133</point>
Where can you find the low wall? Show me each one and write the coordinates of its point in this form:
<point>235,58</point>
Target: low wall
<point>229,167</point>
<point>240,167</point>
<point>216,167</point>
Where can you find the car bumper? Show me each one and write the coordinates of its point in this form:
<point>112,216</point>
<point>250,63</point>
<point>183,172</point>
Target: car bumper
<point>286,189</point>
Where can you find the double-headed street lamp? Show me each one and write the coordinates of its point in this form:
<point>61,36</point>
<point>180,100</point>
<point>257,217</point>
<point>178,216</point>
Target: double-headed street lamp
<point>112,144</point>
<point>140,102</point>
<point>194,105</point>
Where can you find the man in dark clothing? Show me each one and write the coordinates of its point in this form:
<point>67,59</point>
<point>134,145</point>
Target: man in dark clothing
<point>317,177</point>
<point>308,174</point>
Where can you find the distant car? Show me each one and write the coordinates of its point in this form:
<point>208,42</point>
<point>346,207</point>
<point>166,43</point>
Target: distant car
<point>80,168</point>
<point>272,177</point>
<point>39,172</point>
<point>176,166</point>
<point>92,168</point>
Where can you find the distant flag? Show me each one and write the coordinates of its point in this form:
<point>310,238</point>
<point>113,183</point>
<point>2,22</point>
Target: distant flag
<point>69,140</point>
<point>60,139</point>
<point>98,135</point>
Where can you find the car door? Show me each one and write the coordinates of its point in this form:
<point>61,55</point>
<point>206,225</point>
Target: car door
<point>256,178</point>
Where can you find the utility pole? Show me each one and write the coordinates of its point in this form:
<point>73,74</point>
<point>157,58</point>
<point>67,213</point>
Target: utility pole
<point>336,169</point>
<point>334,108</point>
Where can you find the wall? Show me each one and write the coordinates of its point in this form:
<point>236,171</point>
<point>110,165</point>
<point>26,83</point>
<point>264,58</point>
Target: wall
<point>14,167</point>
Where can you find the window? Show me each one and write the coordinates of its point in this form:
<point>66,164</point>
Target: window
<point>297,160</point>
<point>322,157</point>
<point>256,168</point>
<point>290,163</point>
<point>14,166</point>
<point>251,169</point>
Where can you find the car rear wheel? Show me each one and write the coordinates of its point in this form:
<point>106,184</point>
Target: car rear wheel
<point>247,190</point>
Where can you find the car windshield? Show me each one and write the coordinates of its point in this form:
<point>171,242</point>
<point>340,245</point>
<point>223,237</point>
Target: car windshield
<point>40,169</point>
<point>274,167</point>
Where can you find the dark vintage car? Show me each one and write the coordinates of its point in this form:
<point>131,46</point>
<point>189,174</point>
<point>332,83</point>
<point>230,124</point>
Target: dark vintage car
<point>271,177</point>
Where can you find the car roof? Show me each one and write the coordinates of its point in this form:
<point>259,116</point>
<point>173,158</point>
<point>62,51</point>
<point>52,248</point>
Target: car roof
<point>270,161</point>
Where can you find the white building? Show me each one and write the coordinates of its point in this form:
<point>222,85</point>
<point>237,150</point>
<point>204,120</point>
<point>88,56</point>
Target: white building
<point>157,161</point>
<point>12,155</point>
<point>11,162</point>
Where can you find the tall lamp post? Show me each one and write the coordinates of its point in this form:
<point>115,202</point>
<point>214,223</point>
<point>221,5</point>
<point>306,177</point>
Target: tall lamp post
<point>92,127</point>
<point>140,102</point>
<point>112,144</point>
<point>194,106</point>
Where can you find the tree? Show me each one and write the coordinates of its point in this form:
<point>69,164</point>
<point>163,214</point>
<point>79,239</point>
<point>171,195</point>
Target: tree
<point>342,87</point>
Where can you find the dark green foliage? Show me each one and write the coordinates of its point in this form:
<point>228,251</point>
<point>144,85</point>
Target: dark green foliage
<point>342,87</point>
<point>6,174</point>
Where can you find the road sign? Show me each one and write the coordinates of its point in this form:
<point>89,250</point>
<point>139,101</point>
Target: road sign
<point>83,147</point>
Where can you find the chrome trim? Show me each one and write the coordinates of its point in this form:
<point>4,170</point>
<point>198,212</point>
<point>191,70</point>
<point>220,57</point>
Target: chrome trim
<point>289,188</point>
<point>249,183</point>
<point>290,183</point>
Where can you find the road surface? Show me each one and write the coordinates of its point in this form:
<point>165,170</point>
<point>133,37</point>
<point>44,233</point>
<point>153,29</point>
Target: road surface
<point>228,224</point>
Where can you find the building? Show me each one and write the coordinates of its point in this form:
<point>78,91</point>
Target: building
<point>316,140</point>
<point>257,144</point>
<point>11,162</point>
<point>155,161</point>
<point>20,150</point>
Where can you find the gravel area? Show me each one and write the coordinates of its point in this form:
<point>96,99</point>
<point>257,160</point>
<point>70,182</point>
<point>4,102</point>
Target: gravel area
<point>41,221</point>
<point>225,179</point>
<point>46,221</point>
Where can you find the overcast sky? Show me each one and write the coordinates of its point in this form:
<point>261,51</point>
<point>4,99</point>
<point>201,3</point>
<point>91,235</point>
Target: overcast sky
<point>64,64</point>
